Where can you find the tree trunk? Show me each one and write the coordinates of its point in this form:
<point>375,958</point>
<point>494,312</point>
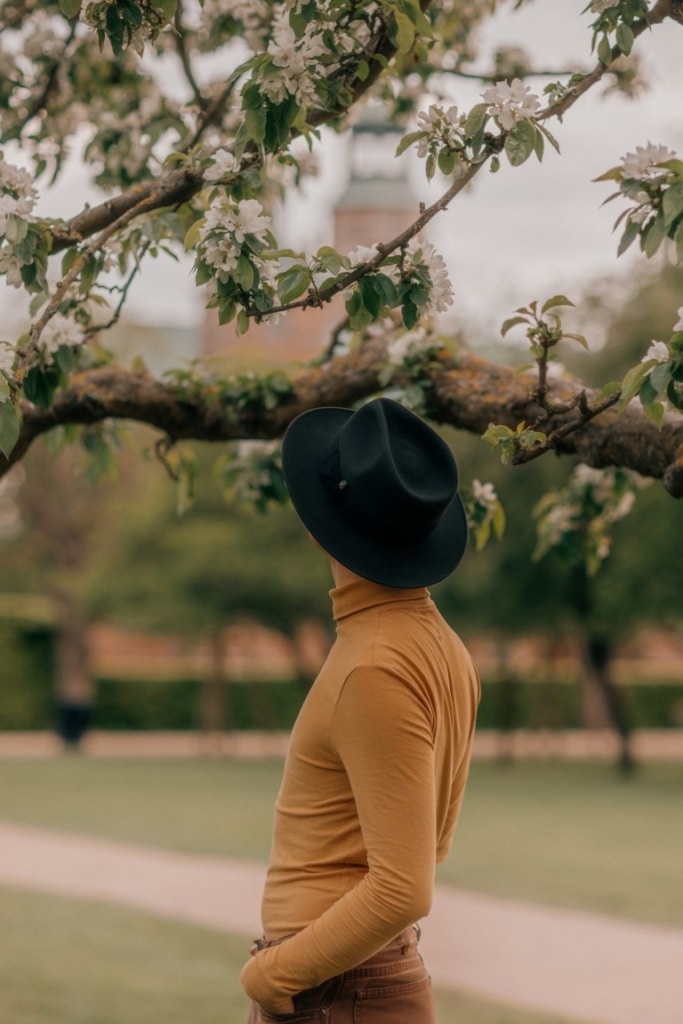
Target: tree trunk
<point>214,704</point>
<point>74,688</point>
<point>602,700</point>
<point>597,652</point>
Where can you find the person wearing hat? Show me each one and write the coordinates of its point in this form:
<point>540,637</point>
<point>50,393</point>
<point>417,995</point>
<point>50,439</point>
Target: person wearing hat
<point>379,755</point>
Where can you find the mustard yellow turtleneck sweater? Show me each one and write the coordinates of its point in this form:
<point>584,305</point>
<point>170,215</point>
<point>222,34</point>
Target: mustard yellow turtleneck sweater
<point>372,786</point>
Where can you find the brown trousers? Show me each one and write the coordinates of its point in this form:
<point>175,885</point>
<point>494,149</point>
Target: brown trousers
<point>392,987</point>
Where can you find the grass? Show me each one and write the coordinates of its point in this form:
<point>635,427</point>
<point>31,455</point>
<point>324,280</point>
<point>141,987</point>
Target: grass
<point>72,962</point>
<point>572,835</point>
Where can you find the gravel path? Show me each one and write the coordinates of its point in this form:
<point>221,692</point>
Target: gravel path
<point>584,966</point>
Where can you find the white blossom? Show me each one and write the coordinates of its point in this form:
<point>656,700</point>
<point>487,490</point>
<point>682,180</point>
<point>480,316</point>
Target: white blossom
<point>587,476</point>
<point>623,506</point>
<point>441,296</point>
<point>679,326</point>
<point>60,330</point>
<point>11,267</point>
<point>408,344</point>
<point>484,494</point>
<point>362,254</point>
<point>16,180</point>
<point>7,356</point>
<point>236,219</point>
<point>640,213</point>
<point>224,163</point>
<point>298,59</point>
<point>511,103</point>
<point>643,163</point>
<point>221,253</point>
<point>443,126</point>
<point>657,350</point>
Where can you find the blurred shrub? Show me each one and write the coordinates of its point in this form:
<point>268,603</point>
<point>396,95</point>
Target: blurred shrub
<point>26,671</point>
<point>147,704</point>
<point>26,700</point>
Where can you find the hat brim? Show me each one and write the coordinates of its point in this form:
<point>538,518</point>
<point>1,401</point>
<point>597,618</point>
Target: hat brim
<point>306,445</point>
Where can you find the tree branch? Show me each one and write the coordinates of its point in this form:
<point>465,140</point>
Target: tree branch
<point>465,392</point>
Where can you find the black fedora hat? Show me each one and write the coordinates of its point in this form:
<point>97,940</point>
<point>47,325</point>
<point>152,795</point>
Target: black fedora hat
<point>378,489</point>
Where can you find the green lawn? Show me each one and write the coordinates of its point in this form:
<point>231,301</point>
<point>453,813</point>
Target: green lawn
<point>65,961</point>
<point>567,834</point>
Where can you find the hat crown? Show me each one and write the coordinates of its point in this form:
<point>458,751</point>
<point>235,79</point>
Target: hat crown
<point>377,488</point>
<point>397,477</point>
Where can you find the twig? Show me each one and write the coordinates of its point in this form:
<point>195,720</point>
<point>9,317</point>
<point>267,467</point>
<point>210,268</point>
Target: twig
<point>587,413</point>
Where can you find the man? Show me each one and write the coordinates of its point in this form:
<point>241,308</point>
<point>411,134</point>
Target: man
<point>379,754</point>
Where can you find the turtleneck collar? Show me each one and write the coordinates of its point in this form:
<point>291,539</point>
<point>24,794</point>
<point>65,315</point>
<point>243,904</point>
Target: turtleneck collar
<point>361,594</point>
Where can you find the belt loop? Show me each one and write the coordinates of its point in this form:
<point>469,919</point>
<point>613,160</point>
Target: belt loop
<point>418,931</point>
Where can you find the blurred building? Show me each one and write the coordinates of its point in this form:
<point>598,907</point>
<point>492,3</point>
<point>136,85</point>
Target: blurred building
<point>376,205</point>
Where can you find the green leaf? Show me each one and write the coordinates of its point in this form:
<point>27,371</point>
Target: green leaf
<point>604,51</point>
<point>624,37</point>
<point>609,389</point>
<point>520,142</point>
<point>414,12</point>
<point>388,290</point>
<point>192,235</point>
<point>167,7</point>
<point>512,322</point>
<point>476,119</point>
<point>549,136</point>
<point>245,272</point>
<point>447,161</point>
<point>674,165</point>
<point>630,234</point>
<point>613,174</point>
<point>114,23</point>
<point>40,385</point>
<point>403,34</point>
<point>556,300</point>
<point>672,203</point>
<point>653,235</point>
<point>675,395</point>
<point>68,260</point>
<point>408,140</point>
<point>630,386</point>
<point>539,145</point>
<point>69,8</point>
<point>498,520</point>
<point>10,426</point>
<point>362,71</point>
<point>226,311</point>
<point>678,239</point>
<point>255,123</point>
<point>430,166</point>
<point>578,338</point>
<point>655,412</point>
<point>330,260</point>
<point>410,314</point>
<point>242,324</point>
<point>292,283</point>
<point>371,295</point>
<point>659,378</point>
<point>65,359</point>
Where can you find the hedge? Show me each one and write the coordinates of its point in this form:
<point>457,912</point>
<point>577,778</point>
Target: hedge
<point>27,703</point>
<point>26,670</point>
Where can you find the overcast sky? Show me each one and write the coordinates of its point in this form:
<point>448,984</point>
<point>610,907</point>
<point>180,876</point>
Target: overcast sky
<point>517,235</point>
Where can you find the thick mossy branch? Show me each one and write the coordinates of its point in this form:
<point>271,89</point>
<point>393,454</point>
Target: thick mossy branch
<point>464,391</point>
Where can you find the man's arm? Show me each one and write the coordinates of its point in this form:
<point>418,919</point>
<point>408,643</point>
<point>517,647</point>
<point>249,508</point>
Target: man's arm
<point>382,732</point>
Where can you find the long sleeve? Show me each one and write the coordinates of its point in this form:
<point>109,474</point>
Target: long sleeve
<point>382,733</point>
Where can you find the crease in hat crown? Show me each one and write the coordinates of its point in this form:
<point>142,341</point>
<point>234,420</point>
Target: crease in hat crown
<point>377,488</point>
